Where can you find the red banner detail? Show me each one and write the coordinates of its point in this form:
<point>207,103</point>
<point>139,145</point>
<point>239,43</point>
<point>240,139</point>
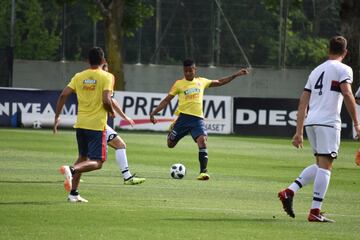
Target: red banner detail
<point>144,121</point>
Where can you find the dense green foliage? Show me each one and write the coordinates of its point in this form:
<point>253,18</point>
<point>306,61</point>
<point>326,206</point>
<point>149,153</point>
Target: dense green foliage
<point>36,33</point>
<point>302,40</point>
<point>40,26</point>
<point>36,30</point>
<point>238,202</point>
<point>187,30</point>
<point>5,23</point>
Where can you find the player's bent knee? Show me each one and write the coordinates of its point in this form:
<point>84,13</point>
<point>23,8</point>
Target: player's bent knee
<point>121,145</point>
<point>117,143</point>
<point>99,166</point>
<point>201,141</point>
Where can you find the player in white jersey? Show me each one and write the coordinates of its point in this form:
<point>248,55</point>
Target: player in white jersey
<point>319,112</point>
<point>325,93</point>
<point>118,144</point>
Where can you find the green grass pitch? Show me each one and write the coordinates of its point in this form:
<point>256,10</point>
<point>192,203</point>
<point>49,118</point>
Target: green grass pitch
<point>238,202</point>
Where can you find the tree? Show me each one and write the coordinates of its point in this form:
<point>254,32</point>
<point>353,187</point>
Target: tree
<point>117,24</point>
<point>257,26</point>
<point>121,18</point>
<point>350,26</point>
<point>300,43</point>
<point>5,23</point>
<point>35,32</point>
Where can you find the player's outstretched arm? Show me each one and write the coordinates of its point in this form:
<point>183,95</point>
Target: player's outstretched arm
<point>121,113</point>
<point>59,106</point>
<point>161,106</point>
<point>226,80</point>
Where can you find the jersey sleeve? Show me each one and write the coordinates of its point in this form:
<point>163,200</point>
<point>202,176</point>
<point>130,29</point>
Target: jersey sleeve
<point>109,83</point>
<point>174,89</point>
<point>72,84</point>
<point>346,75</point>
<point>308,82</point>
<point>206,82</point>
<point>307,86</point>
<point>113,87</point>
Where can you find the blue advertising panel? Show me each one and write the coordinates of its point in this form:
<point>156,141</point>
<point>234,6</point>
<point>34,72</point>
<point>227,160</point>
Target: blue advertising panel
<point>32,108</point>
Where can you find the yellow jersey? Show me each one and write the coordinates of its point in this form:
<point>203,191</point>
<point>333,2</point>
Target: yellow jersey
<point>190,95</point>
<point>89,86</point>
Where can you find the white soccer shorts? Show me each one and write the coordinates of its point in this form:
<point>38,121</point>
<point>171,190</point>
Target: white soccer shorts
<point>110,133</point>
<point>324,140</point>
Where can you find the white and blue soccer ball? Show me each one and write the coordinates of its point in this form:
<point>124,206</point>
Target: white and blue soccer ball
<point>177,171</point>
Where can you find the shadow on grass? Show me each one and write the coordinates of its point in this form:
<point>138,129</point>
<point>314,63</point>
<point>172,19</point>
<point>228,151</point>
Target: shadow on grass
<point>18,181</point>
<point>224,219</point>
<point>34,203</point>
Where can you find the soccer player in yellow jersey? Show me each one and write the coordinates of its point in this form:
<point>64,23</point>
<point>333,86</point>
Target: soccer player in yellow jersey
<point>93,88</point>
<point>190,91</point>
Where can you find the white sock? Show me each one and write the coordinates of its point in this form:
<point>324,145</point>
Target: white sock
<point>321,184</point>
<point>121,159</point>
<point>306,176</point>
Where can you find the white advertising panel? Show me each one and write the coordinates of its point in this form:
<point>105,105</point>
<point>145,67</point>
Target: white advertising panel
<point>138,105</point>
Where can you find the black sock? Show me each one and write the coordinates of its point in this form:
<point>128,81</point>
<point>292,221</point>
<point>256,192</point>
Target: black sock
<point>74,192</point>
<point>203,159</point>
<point>72,170</point>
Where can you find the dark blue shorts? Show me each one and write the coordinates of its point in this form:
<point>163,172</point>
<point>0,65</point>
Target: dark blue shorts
<point>91,143</point>
<point>185,124</point>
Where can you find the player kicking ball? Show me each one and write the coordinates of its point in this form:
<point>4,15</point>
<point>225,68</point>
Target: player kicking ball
<point>190,91</point>
<point>327,87</point>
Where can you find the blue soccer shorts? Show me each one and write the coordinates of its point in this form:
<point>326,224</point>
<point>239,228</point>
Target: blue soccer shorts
<point>185,124</point>
<point>92,143</point>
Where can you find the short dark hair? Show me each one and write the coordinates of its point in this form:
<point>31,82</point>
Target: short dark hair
<point>96,55</point>
<point>337,45</point>
<point>188,63</point>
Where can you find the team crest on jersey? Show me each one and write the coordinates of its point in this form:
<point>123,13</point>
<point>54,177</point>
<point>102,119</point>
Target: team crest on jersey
<point>89,81</point>
<point>89,84</point>
<point>191,91</point>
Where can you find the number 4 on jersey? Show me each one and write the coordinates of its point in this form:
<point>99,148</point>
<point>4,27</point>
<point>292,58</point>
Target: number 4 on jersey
<point>319,83</point>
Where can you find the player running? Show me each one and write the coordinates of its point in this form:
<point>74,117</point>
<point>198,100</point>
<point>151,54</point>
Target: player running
<point>319,111</point>
<point>93,88</point>
<point>190,91</point>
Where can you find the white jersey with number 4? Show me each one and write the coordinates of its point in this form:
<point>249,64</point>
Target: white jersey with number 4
<point>326,98</point>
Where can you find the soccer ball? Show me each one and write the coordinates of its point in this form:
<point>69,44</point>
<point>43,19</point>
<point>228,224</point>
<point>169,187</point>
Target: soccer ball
<point>37,124</point>
<point>177,171</point>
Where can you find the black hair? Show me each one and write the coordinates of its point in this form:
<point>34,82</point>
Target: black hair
<point>337,45</point>
<point>96,55</point>
<point>188,63</point>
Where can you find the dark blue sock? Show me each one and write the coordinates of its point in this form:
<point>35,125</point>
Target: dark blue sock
<point>203,159</point>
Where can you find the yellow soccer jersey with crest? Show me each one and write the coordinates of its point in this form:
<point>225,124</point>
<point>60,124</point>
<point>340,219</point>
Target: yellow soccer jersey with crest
<point>190,95</point>
<point>89,86</point>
